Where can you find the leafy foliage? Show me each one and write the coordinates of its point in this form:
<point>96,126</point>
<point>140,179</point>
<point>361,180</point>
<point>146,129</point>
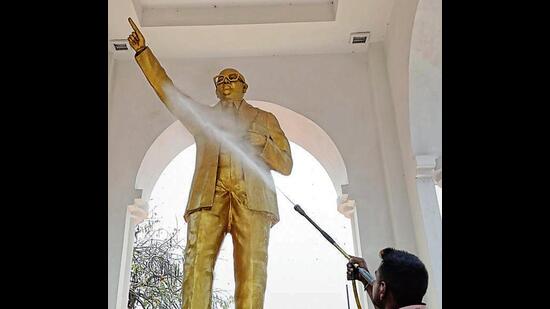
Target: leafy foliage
<point>157,269</point>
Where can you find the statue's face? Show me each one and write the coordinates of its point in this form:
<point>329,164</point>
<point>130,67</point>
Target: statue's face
<point>230,85</point>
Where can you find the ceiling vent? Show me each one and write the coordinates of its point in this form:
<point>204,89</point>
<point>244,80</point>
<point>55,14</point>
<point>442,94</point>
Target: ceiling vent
<point>119,46</point>
<point>359,38</point>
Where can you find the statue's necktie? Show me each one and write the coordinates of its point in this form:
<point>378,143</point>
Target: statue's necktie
<point>229,159</point>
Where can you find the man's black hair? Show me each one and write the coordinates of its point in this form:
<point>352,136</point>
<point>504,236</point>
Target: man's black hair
<point>405,276</point>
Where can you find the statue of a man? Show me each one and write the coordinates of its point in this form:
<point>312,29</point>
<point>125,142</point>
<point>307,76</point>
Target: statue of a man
<point>227,195</point>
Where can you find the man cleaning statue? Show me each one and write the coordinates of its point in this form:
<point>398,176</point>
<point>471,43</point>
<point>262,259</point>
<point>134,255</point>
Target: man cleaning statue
<point>228,196</point>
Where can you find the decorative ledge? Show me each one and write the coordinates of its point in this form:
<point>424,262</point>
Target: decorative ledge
<point>425,166</point>
<point>438,177</point>
<point>139,211</point>
<point>346,206</point>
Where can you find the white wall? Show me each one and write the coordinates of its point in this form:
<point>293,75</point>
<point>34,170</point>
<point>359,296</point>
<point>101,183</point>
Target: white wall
<point>390,148</point>
<point>397,48</point>
<point>337,92</point>
<point>114,238</point>
<point>425,71</point>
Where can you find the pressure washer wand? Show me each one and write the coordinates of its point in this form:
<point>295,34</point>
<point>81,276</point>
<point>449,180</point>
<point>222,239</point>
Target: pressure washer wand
<point>364,273</point>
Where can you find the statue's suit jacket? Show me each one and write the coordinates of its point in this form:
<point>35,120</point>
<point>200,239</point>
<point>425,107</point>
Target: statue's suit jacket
<point>276,152</point>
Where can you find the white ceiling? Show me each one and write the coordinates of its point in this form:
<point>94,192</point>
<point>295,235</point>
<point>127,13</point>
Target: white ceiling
<point>266,39</point>
<point>196,3</point>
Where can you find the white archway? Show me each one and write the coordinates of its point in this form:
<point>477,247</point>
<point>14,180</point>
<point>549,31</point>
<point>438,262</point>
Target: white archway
<point>296,250</point>
<point>176,138</point>
<point>297,128</point>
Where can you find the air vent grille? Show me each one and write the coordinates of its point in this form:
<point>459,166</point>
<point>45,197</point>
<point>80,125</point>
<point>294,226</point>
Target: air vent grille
<point>119,46</point>
<point>359,37</point>
<point>357,40</point>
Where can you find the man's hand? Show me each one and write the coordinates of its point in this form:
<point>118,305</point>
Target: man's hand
<point>136,39</point>
<point>359,261</point>
<point>352,273</point>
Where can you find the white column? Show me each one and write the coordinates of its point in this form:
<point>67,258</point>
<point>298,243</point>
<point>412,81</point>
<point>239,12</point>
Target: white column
<point>111,63</point>
<point>431,218</point>
<point>135,214</point>
<point>363,298</point>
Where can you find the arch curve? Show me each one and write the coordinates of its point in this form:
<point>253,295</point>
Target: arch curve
<point>298,128</point>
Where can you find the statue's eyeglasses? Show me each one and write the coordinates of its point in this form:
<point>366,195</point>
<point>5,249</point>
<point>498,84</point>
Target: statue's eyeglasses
<point>233,77</point>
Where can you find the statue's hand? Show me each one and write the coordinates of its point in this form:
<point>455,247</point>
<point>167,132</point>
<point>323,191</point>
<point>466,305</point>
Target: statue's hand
<point>256,139</point>
<point>136,39</point>
<point>257,134</point>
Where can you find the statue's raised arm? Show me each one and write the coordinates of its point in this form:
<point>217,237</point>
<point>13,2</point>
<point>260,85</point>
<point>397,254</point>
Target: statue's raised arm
<point>161,82</point>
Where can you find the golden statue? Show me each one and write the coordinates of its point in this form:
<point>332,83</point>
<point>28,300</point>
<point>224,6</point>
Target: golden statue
<point>227,196</point>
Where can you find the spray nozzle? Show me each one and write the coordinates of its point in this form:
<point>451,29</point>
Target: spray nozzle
<point>299,210</point>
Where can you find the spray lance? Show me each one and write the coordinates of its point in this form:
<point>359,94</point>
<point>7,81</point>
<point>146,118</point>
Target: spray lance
<point>362,272</point>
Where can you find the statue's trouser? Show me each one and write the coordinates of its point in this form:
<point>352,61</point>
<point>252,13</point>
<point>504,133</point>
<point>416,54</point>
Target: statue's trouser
<point>205,232</point>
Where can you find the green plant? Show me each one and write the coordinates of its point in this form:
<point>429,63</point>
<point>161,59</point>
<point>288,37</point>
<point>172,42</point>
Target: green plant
<point>157,269</point>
